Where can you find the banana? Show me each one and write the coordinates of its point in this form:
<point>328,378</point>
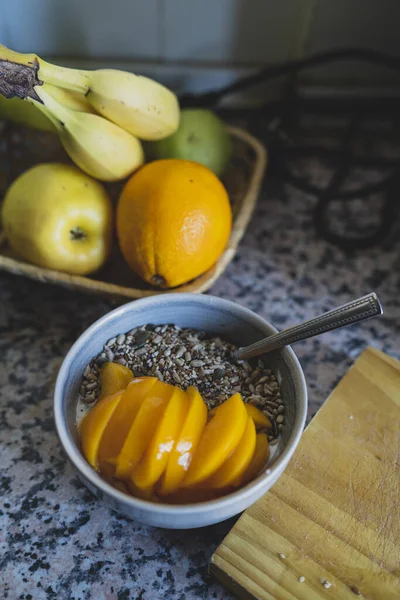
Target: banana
<point>19,111</point>
<point>70,99</point>
<point>100,148</point>
<point>138,104</point>
<point>15,109</point>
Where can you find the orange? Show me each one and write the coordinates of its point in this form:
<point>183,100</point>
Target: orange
<point>173,221</point>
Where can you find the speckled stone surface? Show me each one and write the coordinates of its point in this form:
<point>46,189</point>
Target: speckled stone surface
<point>56,540</point>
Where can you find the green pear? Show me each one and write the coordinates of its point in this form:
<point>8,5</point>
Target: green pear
<point>201,137</point>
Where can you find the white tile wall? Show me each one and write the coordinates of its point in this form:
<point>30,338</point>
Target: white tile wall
<point>88,28</point>
<point>215,32</point>
<point>344,23</point>
<point>233,31</point>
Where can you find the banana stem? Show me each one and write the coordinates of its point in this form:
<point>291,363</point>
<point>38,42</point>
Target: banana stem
<point>21,74</point>
<point>64,77</point>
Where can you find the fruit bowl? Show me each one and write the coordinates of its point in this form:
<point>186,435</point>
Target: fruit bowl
<point>243,178</point>
<point>214,316</point>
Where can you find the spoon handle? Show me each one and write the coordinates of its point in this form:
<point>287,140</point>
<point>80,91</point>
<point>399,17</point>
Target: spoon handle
<point>351,312</point>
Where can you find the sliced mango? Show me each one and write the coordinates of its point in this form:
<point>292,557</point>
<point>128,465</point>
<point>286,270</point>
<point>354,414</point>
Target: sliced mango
<point>121,421</point>
<point>155,459</point>
<point>259,460</point>
<point>94,424</point>
<point>234,466</point>
<point>143,494</point>
<point>113,378</point>
<point>260,419</point>
<point>220,437</point>
<point>143,428</point>
<point>187,441</point>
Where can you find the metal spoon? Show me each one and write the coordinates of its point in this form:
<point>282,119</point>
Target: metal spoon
<point>352,312</point>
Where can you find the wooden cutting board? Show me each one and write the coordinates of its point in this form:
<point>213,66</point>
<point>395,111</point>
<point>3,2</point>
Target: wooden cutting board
<point>333,517</point>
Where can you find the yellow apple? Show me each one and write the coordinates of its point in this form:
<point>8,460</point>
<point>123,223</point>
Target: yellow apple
<point>57,217</point>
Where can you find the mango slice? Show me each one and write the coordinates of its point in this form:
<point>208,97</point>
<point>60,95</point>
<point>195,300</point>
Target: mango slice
<point>259,460</point>
<point>220,437</point>
<point>143,494</point>
<point>261,421</point>
<point>143,428</point>
<point>186,444</point>
<point>113,378</point>
<point>93,426</point>
<point>121,421</point>
<point>234,466</point>
<point>155,459</point>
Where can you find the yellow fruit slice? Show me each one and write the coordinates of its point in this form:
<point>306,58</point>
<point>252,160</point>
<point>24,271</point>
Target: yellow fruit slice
<point>143,494</point>
<point>220,437</point>
<point>155,459</point>
<point>259,460</point>
<point>143,428</point>
<point>234,466</point>
<point>120,423</point>
<point>94,424</point>
<point>113,378</point>
<point>186,443</point>
<point>261,421</point>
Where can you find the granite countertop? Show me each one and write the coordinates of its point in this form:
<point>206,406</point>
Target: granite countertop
<point>57,540</point>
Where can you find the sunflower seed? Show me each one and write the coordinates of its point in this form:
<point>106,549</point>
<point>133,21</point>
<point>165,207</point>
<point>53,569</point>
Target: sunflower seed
<point>159,375</point>
<point>197,363</point>
<point>188,357</point>
<point>120,360</point>
<point>120,339</point>
<point>179,362</point>
<point>110,355</point>
<point>176,377</point>
<point>141,352</point>
<point>89,399</point>
<point>91,386</point>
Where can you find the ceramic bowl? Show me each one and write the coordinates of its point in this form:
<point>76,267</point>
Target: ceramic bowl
<point>215,316</point>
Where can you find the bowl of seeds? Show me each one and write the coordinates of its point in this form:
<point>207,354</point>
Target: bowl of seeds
<point>187,341</point>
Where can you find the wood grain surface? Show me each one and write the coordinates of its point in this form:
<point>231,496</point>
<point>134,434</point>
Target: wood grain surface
<point>330,527</point>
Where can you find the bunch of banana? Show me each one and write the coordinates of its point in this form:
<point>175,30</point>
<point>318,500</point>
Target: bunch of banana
<point>99,115</point>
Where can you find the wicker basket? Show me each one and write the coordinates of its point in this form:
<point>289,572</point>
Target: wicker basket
<point>21,149</point>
